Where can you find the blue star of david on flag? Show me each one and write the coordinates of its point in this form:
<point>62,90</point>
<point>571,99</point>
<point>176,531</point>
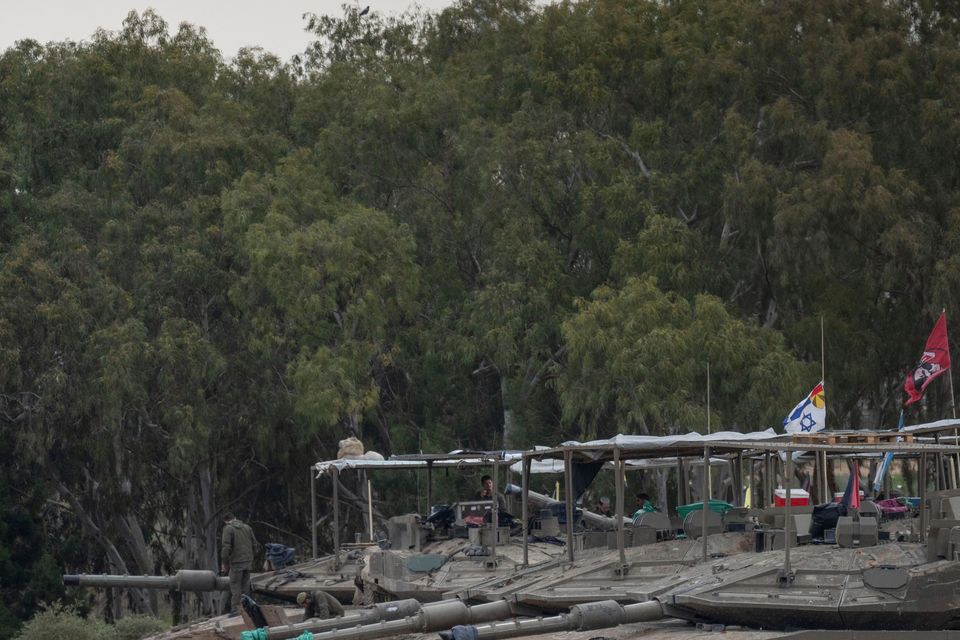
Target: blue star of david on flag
<point>810,415</point>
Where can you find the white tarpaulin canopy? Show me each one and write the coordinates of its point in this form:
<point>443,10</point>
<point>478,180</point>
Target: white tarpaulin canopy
<point>651,446</point>
<point>940,426</point>
<point>454,459</point>
<point>693,444</point>
<point>555,465</point>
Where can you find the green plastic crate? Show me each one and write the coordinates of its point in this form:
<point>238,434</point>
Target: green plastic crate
<point>717,506</point>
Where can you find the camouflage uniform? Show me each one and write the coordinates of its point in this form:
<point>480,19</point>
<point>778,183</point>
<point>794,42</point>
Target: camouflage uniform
<point>319,604</point>
<point>236,552</point>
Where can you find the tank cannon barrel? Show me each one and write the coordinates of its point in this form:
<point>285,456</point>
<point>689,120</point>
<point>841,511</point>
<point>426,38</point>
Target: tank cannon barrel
<point>183,580</point>
<point>540,500</point>
<point>380,612</point>
<point>582,617</point>
<point>434,616</point>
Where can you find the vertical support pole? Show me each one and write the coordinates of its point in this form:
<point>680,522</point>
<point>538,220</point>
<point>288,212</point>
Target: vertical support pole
<point>680,482</point>
<point>429,487</point>
<point>815,496</point>
<point>370,507</point>
<point>740,482</point>
<point>313,512</point>
<point>525,506</point>
<point>335,476</point>
<point>953,410</point>
<point>568,490</point>
<point>922,485</point>
<point>939,470</point>
<point>787,515</point>
<point>495,511</point>
<point>825,472</point>
<point>769,483</point>
<point>829,470</point>
<point>706,498</point>
<point>956,442</point>
<point>618,469</point>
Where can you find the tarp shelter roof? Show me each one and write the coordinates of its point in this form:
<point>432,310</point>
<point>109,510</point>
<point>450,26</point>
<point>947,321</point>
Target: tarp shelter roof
<point>692,445</point>
<point>555,465</point>
<point>945,427</point>
<point>454,459</point>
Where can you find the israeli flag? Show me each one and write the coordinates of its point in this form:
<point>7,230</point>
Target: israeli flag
<point>810,415</point>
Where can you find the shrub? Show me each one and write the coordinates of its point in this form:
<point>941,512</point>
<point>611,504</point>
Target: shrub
<point>58,621</point>
<point>136,627</point>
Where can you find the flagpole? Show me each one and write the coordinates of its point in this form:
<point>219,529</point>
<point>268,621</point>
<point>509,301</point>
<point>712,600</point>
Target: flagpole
<point>953,401</point>
<point>953,409</point>
<point>823,353</point>
<point>706,462</point>
<point>823,370</point>
<point>822,457</point>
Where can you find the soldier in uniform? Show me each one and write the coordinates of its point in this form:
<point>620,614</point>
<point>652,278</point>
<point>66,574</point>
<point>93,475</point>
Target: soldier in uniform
<point>319,604</point>
<point>236,557</point>
<point>486,493</point>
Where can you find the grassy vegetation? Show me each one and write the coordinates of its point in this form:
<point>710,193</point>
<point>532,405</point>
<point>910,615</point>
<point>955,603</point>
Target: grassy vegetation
<point>58,621</point>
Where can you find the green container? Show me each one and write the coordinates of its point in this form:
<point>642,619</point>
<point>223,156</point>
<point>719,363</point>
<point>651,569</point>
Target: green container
<point>717,506</point>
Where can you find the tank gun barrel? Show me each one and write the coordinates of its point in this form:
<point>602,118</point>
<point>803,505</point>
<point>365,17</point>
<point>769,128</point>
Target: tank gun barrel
<point>380,612</point>
<point>540,500</point>
<point>183,580</point>
<point>582,617</point>
<point>434,616</point>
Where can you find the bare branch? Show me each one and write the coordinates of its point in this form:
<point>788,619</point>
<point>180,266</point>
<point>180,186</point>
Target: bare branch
<point>633,153</point>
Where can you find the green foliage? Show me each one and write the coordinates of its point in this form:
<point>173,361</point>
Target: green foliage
<point>58,621</point>
<point>135,627</point>
<point>505,223</point>
<point>637,362</point>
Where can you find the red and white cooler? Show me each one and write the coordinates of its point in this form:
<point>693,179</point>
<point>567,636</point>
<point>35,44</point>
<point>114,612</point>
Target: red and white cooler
<point>798,498</point>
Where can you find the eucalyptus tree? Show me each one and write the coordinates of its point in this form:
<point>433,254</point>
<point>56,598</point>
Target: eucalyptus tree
<point>637,362</point>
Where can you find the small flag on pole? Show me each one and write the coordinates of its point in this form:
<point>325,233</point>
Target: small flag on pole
<point>851,497</point>
<point>885,465</point>
<point>810,415</point>
<point>934,361</point>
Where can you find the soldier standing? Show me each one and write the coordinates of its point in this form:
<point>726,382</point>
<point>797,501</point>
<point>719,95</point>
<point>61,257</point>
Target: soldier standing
<point>236,557</point>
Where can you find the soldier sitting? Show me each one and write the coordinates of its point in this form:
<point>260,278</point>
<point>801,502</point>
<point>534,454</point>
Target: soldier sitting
<point>319,604</point>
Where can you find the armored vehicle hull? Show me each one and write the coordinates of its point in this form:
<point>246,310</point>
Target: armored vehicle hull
<point>891,586</point>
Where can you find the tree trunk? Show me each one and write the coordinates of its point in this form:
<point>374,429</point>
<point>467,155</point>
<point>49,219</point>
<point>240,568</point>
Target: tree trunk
<point>129,527</point>
<point>507,415</point>
<point>662,495</point>
<point>201,542</point>
<point>141,603</point>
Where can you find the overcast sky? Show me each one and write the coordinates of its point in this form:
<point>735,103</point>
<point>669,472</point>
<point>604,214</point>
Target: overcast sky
<point>275,25</point>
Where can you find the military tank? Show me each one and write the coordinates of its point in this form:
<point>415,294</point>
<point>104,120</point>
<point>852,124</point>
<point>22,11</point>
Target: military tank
<point>420,557</point>
<point>856,582</point>
<point>893,586</point>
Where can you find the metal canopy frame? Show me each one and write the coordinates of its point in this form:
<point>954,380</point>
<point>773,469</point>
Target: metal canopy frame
<point>415,462</point>
<point>623,448</point>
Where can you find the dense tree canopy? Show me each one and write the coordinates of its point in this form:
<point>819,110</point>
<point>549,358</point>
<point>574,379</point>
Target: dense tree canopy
<point>503,224</point>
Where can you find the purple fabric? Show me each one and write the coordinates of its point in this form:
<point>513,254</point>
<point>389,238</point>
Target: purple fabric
<point>891,505</point>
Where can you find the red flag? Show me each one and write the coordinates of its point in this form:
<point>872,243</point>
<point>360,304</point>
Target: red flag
<point>851,497</point>
<point>934,361</point>
<point>855,494</point>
